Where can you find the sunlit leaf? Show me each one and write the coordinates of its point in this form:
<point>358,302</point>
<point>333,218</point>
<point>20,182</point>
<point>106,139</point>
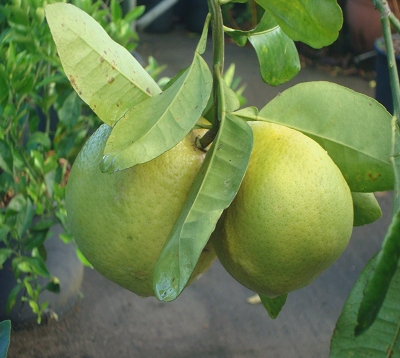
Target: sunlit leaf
<point>353,128</point>
<point>213,190</point>
<point>160,122</point>
<point>103,73</point>
<point>316,23</point>
<point>276,52</point>
<point>381,339</point>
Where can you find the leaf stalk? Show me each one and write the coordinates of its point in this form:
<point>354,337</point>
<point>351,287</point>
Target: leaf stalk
<point>217,27</point>
<point>387,18</point>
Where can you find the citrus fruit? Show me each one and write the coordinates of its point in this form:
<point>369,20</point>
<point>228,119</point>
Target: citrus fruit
<point>291,218</point>
<point>121,221</point>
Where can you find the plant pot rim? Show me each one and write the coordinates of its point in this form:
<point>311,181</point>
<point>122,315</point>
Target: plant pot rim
<point>380,48</point>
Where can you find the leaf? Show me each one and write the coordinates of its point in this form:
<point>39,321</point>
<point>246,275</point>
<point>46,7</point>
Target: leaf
<point>353,128</point>
<point>103,73</point>
<point>25,217</point>
<point>70,110</point>
<point>366,208</point>
<point>273,305</point>
<point>277,55</point>
<point>5,253</point>
<point>160,122</point>
<point>6,157</point>
<point>381,340</point>
<point>34,265</point>
<point>387,259</point>
<point>202,44</point>
<point>5,331</point>
<point>35,239</point>
<point>276,52</point>
<point>53,285</point>
<point>316,23</point>
<point>12,297</point>
<point>38,139</point>
<point>213,190</point>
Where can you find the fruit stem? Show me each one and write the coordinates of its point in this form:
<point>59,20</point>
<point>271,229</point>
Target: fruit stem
<point>218,39</point>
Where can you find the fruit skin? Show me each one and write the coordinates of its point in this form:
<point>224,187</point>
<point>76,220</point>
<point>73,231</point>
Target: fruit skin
<point>291,218</point>
<point>121,221</point>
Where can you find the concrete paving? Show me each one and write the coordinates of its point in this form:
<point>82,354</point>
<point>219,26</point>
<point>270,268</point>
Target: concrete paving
<point>212,317</point>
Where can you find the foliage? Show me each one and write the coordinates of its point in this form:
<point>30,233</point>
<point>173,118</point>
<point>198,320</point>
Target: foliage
<point>367,154</point>
<point>43,125</point>
<point>5,329</point>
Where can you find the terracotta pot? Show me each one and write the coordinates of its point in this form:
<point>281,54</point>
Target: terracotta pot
<point>364,24</point>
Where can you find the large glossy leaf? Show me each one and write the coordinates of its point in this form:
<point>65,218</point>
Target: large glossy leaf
<point>104,74</point>
<point>276,52</point>
<point>213,190</point>
<point>316,23</point>
<point>381,339</point>
<point>353,128</point>
<point>5,330</point>
<point>160,122</point>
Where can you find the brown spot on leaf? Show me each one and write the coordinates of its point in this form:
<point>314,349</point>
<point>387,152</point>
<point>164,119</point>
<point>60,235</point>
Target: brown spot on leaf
<point>72,80</point>
<point>148,90</point>
<point>101,59</point>
<point>111,80</point>
<point>373,176</point>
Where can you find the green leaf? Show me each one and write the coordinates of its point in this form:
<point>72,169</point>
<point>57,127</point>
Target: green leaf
<point>103,73</point>
<point>34,265</point>
<point>387,259</point>
<point>5,253</point>
<point>116,10</point>
<point>353,128</point>
<point>213,190</point>
<point>385,267</point>
<point>276,52</point>
<point>159,123</point>
<point>70,110</point>
<point>12,297</point>
<point>38,139</point>
<point>35,239</point>
<point>277,55</point>
<point>273,305</point>
<point>16,204</point>
<point>82,258</point>
<point>381,340</point>
<point>6,157</point>
<point>316,23</point>
<point>366,208</point>
<point>202,44</point>
<point>5,331</point>
<point>24,218</point>
<point>53,285</point>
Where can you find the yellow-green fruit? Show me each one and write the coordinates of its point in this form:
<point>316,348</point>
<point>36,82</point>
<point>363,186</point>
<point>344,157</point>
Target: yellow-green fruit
<point>291,218</point>
<point>121,221</point>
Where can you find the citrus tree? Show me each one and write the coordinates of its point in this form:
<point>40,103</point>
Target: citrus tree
<point>252,188</point>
